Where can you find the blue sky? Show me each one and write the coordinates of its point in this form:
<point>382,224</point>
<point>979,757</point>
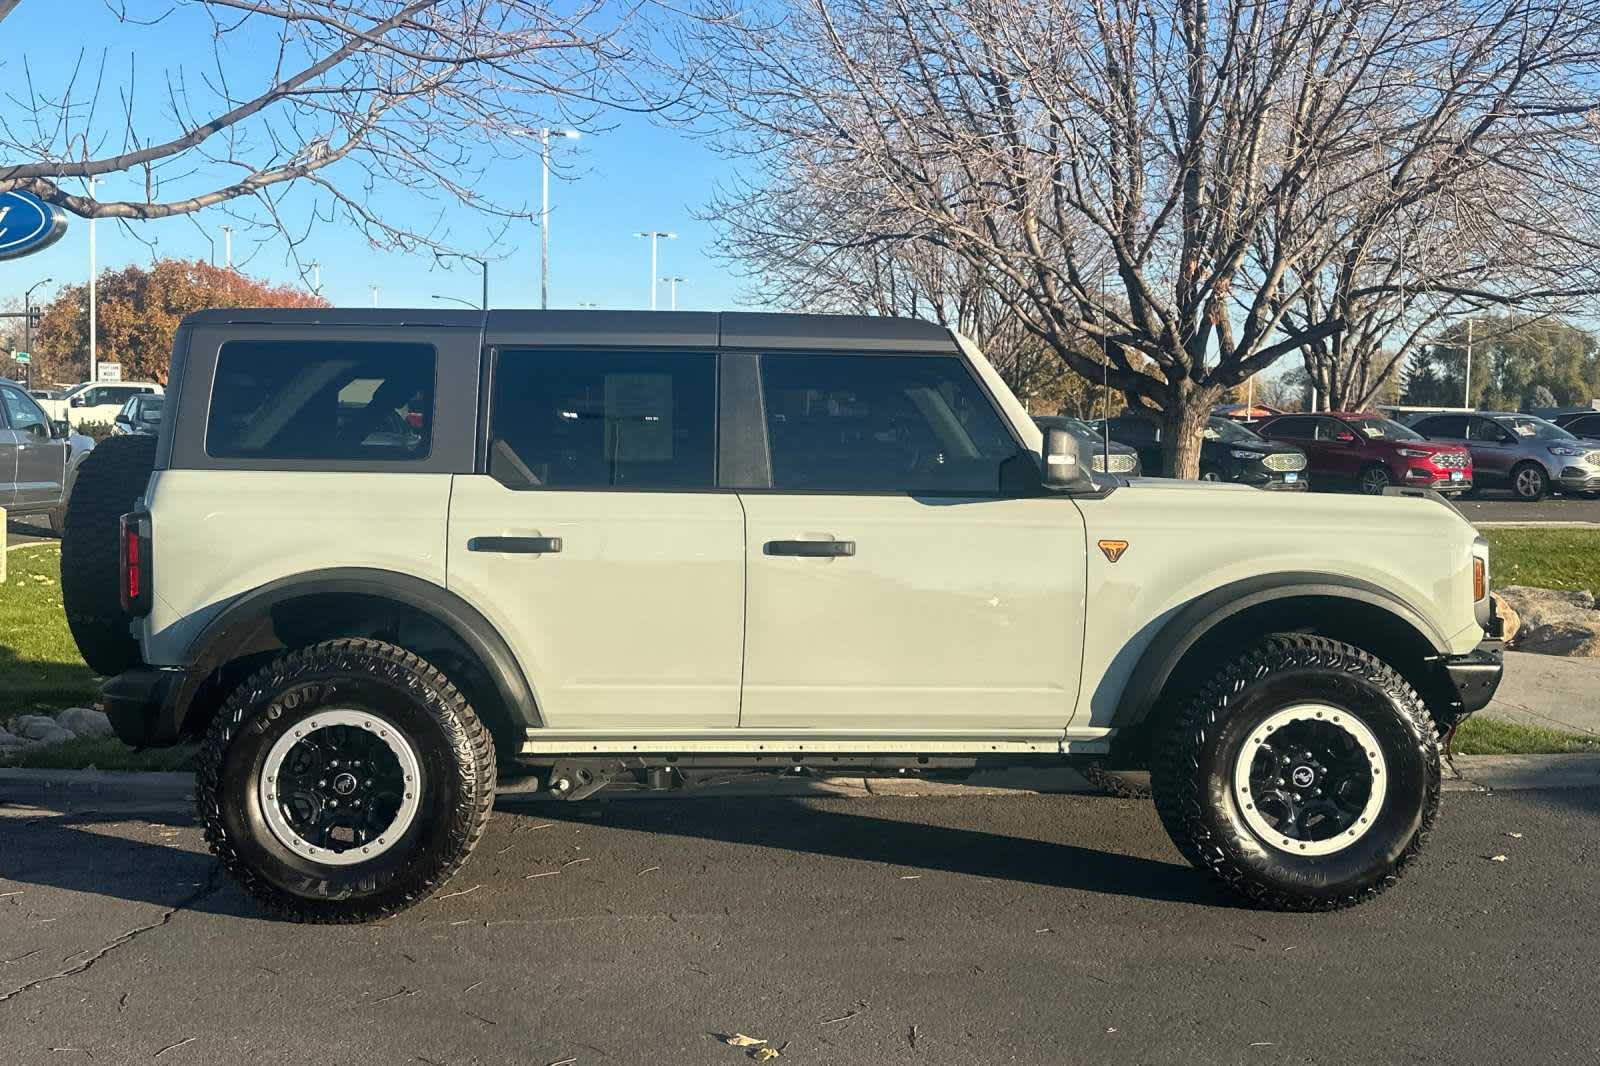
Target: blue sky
<point>634,175</point>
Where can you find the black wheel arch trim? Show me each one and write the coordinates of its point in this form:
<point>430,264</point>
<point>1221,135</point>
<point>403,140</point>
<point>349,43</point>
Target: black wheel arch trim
<point>1199,616</point>
<point>244,624</point>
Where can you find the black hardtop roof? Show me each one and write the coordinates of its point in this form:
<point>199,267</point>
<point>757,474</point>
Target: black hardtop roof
<point>687,329</point>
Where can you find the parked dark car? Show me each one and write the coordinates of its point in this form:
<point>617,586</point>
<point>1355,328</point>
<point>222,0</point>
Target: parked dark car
<point>1229,451</point>
<point>1367,452</point>
<point>1585,424</point>
<point>1124,460</point>
<point>1523,453</point>
<point>141,414</point>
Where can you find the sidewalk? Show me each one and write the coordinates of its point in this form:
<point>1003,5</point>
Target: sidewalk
<point>1565,691</point>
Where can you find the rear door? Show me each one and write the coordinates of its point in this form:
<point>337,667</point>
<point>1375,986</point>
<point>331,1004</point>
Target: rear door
<point>597,540</point>
<point>893,585</point>
<point>40,459</point>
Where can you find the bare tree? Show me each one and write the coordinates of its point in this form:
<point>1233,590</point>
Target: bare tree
<point>359,94</point>
<point>1148,176</point>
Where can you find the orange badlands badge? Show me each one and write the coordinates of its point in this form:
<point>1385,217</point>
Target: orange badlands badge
<point>1113,548</point>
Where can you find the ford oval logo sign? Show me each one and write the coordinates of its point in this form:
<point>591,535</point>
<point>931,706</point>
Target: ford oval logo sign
<point>28,224</point>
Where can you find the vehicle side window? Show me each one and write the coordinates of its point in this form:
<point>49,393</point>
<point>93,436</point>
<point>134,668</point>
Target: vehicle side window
<point>881,423</point>
<point>1586,424</point>
<point>24,415</point>
<point>1299,428</point>
<point>1329,429</point>
<point>1135,431</point>
<point>603,420</point>
<point>1451,426</point>
<point>322,400</point>
<point>1486,430</point>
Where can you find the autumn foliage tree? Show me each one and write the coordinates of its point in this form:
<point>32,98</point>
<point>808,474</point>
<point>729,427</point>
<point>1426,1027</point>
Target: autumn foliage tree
<point>138,310</point>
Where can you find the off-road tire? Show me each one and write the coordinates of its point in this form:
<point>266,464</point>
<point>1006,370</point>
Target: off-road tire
<point>456,757</point>
<point>1123,784</point>
<point>1195,760</point>
<point>110,479</point>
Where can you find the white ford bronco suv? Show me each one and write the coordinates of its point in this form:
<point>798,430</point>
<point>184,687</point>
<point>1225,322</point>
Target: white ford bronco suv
<point>384,562</point>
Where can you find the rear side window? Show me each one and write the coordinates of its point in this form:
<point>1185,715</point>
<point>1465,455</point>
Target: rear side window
<point>1300,428</point>
<point>603,420</point>
<point>1454,426</point>
<point>322,400</point>
<point>881,423</point>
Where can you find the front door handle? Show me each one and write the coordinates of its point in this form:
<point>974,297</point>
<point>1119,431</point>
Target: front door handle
<point>812,549</point>
<point>515,545</point>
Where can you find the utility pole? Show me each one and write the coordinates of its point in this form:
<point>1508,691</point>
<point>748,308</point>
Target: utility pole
<point>545,134</point>
<point>94,351</point>
<point>1466,388</point>
<point>673,281</point>
<point>654,235</point>
<point>227,246</point>
<point>27,324</point>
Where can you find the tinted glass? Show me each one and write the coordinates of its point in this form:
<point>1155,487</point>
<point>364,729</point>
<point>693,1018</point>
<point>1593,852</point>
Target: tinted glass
<point>1452,426</point>
<point>23,414</point>
<point>1230,432</point>
<point>1383,429</point>
<point>870,423</point>
<point>1291,427</point>
<point>1588,424</point>
<point>322,400</point>
<point>1526,427</point>
<point>593,420</point>
<point>1135,431</point>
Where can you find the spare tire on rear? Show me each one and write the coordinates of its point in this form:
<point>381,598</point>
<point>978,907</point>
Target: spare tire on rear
<point>111,478</point>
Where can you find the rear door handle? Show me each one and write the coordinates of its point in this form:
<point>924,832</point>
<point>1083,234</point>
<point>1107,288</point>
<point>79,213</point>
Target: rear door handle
<point>515,545</point>
<point>812,549</point>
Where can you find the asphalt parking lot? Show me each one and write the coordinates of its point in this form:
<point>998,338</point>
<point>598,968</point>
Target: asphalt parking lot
<point>1026,929</point>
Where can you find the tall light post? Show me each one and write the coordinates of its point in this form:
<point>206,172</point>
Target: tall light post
<point>545,134</point>
<point>1466,389</point>
<point>673,280</point>
<point>483,267</point>
<point>27,324</point>
<point>94,350</point>
<point>374,289</point>
<point>227,246</point>
<point>454,300</point>
<point>654,236</point>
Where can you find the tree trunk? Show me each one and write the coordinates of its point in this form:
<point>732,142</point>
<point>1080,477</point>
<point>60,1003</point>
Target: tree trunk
<point>1183,422</point>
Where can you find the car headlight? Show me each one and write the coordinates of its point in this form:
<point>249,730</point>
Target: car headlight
<point>1245,455</point>
<point>1566,449</point>
<point>1415,453</point>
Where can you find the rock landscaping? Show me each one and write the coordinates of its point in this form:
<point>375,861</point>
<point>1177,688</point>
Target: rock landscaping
<point>1551,621</point>
<point>37,730</point>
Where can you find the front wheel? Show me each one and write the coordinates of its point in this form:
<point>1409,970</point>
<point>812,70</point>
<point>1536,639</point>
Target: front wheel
<point>1530,482</point>
<point>344,782</point>
<point>1305,775</point>
<point>1210,473</point>
<point>1373,480</point>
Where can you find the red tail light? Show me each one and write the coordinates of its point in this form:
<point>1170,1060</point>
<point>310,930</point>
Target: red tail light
<point>135,563</point>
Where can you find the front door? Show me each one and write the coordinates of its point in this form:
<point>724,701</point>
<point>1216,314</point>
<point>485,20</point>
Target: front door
<point>41,460</point>
<point>597,544</point>
<point>1494,451</point>
<point>892,586</point>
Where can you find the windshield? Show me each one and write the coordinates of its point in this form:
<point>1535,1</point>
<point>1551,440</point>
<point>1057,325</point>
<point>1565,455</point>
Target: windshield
<point>1230,432</point>
<point>1528,427</point>
<point>1383,429</point>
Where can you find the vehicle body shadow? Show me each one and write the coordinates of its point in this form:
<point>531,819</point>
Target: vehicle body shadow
<point>841,829</point>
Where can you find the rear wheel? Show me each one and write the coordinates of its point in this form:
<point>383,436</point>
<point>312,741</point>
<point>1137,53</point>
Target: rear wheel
<point>1374,479</point>
<point>1210,473</point>
<point>109,481</point>
<point>1305,776</point>
<point>345,782</point>
<point>1530,483</point>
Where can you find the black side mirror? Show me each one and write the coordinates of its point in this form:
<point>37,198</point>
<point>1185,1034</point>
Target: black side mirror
<point>1064,468</point>
<point>122,419</point>
<point>60,430</point>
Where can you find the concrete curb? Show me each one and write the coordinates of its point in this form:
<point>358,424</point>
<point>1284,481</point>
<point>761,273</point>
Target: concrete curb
<point>111,791</point>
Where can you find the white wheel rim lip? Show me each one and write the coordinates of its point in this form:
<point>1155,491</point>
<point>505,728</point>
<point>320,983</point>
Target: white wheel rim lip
<point>410,803</point>
<point>1341,719</point>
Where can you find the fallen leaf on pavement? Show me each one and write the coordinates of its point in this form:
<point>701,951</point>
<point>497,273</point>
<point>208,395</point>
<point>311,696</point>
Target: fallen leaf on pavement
<point>763,1054</point>
<point>1497,858</point>
<point>740,1040</point>
<point>1514,836</point>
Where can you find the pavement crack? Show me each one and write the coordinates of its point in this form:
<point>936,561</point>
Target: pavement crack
<point>211,885</point>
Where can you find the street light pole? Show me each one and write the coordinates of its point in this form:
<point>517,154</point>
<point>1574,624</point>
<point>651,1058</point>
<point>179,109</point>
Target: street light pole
<point>545,133</point>
<point>654,235</point>
<point>27,324</point>
<point>94,351</point>
<point>673,281</point>
<point>1466,388</point>
<point>227,246</point>
<point>374,295</point>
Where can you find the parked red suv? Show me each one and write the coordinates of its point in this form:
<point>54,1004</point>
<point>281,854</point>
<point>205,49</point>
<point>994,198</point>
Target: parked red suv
<point>1370,452</point>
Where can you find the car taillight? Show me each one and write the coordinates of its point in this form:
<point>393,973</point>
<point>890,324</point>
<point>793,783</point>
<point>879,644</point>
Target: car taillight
<point>135,563</point>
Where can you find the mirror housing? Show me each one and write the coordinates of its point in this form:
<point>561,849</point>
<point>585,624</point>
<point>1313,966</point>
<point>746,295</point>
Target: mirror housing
<point>1064,466</point>
<point>60,430</point>
<point>122,419</point>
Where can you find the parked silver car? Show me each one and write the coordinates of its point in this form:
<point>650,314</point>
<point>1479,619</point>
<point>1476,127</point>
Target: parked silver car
<point>1523,453</point>
<point>38,458</point>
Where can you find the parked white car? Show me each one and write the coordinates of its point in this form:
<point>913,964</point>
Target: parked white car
<point>96,401</point>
